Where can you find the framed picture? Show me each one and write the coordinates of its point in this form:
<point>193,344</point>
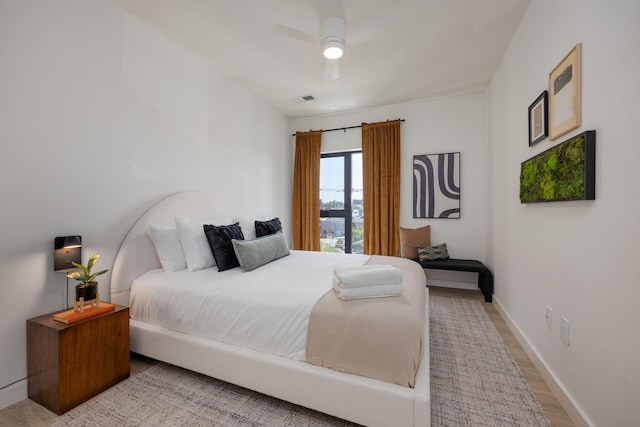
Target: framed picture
<point>538,125</point>
<point>565,94</point>
<point>566,171</point>
<point>436,185</point>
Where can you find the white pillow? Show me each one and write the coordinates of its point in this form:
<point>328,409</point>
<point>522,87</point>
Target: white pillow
<point>247,223</point>
<point>168,247</point>
<point>194,242</point>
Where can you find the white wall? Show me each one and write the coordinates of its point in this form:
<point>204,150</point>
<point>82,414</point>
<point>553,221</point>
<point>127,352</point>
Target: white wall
<point>100,118</point>
<point>581,258</point>
<point>432,126</point>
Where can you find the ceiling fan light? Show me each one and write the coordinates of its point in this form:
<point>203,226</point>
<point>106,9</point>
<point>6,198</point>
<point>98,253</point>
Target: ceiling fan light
<point>332,50</point>
<point>332,37</point>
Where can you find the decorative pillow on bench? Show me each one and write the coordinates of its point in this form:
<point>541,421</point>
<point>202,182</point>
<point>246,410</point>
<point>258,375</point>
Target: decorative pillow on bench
<point>410,238</point>
<point>431,253</point>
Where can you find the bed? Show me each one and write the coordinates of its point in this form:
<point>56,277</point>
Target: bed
<point>286,376</point>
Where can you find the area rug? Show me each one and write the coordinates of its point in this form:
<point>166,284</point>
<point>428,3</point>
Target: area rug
<point>474,382</point>
<point>474,379</point>
<point>165,395</point>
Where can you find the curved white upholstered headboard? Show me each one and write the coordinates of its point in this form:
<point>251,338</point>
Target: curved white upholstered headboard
<point>137,254</point>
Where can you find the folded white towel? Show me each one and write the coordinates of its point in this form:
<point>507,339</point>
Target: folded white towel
<point>355,276</point>
<point>377,291</point>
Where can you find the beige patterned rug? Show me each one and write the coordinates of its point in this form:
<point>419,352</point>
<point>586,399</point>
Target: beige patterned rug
<point>474,382</point>
<point>474,379</point>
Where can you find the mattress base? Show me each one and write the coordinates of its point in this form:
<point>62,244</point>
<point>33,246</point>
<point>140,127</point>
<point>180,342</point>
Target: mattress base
<point>351,397</point>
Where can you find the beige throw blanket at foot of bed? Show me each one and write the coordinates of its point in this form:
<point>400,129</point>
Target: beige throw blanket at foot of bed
<point>379,338</point>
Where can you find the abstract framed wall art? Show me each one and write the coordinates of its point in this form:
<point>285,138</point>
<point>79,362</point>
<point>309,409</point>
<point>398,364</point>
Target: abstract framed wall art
<point>565,94</point>
<point>538,124</point>
<point>436,185</point>
<point>566,171</point>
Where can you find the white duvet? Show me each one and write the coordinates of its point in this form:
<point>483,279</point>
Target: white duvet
<point>266,309</point>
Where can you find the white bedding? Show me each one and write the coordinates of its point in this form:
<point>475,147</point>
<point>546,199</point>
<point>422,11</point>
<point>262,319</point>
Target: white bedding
<point>355,398</point>
<point>266,309</point>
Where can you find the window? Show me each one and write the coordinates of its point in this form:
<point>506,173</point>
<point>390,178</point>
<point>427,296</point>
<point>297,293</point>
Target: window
<point>341,210</point>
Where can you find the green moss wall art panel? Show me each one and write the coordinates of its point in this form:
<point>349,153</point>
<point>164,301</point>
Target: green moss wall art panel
<point>564,172</point>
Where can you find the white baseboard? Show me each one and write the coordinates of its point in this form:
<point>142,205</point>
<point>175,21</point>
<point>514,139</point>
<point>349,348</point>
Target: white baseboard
<point>574,411</point>
<point>13,394</point>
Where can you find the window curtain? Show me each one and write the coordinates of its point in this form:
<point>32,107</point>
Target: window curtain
<point>306,191</point>
<point>381,187</point>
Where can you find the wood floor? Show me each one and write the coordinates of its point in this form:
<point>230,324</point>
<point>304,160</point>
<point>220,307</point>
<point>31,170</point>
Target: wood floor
<point>29,414</point>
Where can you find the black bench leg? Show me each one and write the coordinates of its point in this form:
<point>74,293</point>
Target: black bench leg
<point>485,283</point>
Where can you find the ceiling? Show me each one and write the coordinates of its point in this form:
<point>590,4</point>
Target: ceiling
<point>396,50</point>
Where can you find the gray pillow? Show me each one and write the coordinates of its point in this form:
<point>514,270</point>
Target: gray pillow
<point>254,253</point>
<point>431,253</point>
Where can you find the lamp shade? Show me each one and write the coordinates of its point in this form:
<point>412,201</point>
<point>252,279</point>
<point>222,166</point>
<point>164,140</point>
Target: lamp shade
<point>67,249</point>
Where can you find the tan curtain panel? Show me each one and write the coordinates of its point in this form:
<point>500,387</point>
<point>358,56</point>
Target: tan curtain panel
<point>306,191</point>
<point>381,187</point>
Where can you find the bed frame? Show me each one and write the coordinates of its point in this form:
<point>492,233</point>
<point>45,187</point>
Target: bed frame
<point>351,397</point>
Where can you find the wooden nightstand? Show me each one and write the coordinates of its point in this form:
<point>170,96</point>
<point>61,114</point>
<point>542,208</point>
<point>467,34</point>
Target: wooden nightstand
<point>69,364</point>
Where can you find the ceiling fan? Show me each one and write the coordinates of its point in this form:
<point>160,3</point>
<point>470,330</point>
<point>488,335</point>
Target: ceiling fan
<point>333,44</point>
<point>331,40</point>
<point>343,31</point>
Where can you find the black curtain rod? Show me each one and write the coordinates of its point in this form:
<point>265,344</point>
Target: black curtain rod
<point>344,129</point>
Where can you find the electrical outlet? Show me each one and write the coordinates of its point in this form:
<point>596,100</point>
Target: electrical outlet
<point>565,331</point>
<point>548,315</point>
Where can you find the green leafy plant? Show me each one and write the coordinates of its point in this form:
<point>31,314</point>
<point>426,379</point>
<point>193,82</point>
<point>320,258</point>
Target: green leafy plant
<point>563,172</point>
<point>85,276</point>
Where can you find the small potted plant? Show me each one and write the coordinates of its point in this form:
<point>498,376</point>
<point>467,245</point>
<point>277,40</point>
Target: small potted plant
<point>87,289</point>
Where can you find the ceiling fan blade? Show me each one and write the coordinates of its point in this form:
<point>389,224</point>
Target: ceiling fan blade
<point>371,23</point>
<point>293,33</point>
<point>331,71</point>
<point>389,52</point>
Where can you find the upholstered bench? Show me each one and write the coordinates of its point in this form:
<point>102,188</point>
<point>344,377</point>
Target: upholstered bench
<point>485,277</point>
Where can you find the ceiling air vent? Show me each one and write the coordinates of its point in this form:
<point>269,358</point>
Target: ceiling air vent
<point>301,99</point>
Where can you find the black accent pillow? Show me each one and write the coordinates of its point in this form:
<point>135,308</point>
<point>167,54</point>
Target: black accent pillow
<point>219,238</point>
<point>264,228</point>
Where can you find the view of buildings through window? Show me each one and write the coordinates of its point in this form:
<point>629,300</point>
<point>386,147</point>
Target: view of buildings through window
<point>341,209</point>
